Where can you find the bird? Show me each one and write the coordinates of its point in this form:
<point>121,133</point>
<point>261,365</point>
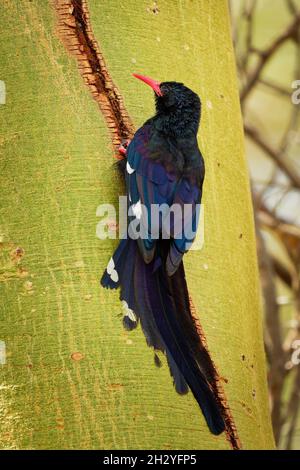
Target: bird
<point>164,168</point>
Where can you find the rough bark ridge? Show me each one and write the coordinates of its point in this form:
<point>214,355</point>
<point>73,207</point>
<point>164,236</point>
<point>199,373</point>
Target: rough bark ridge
<point>75,30</point>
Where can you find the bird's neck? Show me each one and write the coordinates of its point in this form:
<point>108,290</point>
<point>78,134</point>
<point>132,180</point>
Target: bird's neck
<point>177,123</point>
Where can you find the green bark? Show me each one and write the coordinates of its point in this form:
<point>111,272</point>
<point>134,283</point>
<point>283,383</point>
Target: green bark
<point>56,168</point>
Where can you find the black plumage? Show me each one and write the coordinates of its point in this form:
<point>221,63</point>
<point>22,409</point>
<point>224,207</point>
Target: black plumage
<point>164,166</point>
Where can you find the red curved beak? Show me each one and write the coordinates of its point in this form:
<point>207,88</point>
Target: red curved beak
<point>155,85</point>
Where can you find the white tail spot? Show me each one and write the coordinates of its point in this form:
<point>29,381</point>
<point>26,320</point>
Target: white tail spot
<point>128,312</point>
<point>112,271</point>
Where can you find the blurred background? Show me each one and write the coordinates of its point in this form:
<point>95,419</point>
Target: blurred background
<point>266,36</point>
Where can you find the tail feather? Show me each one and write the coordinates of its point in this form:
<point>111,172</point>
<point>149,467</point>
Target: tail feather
<point>163,310</point>
<point>127,275</point>
<point>149,326</point>
<point>136,297</point>
<point>143,306</point>
<point>178,287</point>
<point>179,381</point>
<point>161,304</point>
<point>111,276</point>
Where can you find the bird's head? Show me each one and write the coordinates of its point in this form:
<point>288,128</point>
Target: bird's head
<point>175,102</point>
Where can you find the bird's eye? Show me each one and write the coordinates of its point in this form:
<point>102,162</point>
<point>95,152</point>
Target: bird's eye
<point>164,89</point>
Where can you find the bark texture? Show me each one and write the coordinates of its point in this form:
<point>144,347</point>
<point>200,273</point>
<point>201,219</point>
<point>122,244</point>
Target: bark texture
<point>73,378</point>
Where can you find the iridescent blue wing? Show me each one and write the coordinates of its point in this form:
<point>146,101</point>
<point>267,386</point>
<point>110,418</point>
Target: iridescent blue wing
<point>186,203</point>
<point>163,197</point>
<point>149,187</point>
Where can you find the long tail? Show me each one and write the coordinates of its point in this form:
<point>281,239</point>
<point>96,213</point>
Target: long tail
<point>161,304</point>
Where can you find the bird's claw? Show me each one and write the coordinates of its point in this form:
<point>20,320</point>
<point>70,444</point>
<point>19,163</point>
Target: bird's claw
<point>123,147</point>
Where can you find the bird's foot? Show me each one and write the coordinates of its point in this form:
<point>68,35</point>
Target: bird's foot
<point>123,147</point>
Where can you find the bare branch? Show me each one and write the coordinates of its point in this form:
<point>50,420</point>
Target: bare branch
<point>275,87</point>
<point>265,55</point>
<point>248,14</point>
<point>273,335</point>
<point>278,158</point>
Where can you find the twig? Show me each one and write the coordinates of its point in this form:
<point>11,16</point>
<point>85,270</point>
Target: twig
<point>275,87</point>
<point>274,340</point>
<point>248,13</point>
<point>265,55</point>
<point>278,158</point>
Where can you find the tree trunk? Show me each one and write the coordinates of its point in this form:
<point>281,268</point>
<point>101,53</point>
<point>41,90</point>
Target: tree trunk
<point>72,377</point>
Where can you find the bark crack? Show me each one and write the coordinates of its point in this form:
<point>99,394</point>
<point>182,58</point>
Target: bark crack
<point>75,31</point>
<point>216,385</point>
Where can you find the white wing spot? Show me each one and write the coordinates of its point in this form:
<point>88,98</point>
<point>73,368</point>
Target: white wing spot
<point>129,169</point>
